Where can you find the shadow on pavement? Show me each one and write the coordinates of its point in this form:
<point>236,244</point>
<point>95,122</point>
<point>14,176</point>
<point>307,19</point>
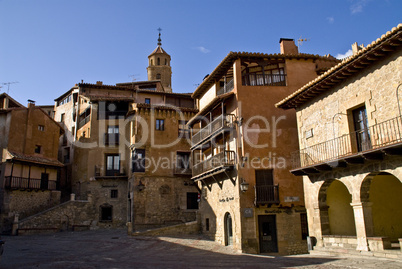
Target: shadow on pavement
<point>115,249</point>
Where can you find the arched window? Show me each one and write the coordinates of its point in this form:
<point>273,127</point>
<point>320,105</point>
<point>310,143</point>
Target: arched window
<point>158,76</point>
<point>159,61</point>
<point>152,62</point>
<point>165,61</point>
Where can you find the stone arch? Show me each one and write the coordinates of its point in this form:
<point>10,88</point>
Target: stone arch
<point>381,200</point>
<point>336,213</point>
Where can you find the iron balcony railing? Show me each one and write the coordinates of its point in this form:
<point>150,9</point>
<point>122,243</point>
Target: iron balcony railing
<point>186,171</point>
<point>266,194</point>
<point>223,121</point>
<point>29,183</point>
<point>83,121</point>
<point>111,139</point>
<point>226,88</point>
<point>254,79</point>
<point>224,158</point>
<point>374,137</point>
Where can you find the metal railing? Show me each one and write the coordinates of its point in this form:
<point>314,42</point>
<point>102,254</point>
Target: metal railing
<point>226,88</point>
<point>182,170</point>
<point>83,121</point>
<point>374,137</point>
<point>224,158</point>
<point>29,183</point>
<point>254,79</point>
<point>220,122</point>
<point>266,194</point>
<point>111,139</point>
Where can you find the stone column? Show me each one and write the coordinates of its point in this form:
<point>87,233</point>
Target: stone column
<point>360,226</point>
<point>317,225</point>
<point>14,230</point>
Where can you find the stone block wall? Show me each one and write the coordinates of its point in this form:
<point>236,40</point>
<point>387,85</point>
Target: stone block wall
<point>62,217</point>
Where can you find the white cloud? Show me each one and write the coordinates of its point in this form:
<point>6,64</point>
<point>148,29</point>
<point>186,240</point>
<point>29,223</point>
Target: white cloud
<point>330,20</point>
<point>203,49</point>
<point>347,54</point>
<point>357,6</point>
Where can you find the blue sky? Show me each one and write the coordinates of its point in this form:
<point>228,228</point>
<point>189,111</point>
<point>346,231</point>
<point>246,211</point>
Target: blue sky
<point>49,45</point>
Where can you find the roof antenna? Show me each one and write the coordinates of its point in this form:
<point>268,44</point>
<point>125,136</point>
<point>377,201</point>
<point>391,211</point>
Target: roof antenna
<point>300,42</point>
<point>159,39</point>
<point>8,84</point>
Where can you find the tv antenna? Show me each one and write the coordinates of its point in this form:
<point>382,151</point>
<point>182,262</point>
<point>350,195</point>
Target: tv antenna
<point>8,85</point>
<point>300,41</point>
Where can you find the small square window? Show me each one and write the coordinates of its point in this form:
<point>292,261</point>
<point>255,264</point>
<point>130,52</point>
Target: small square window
<point>41,128</point>
<point>38,149</point>
<point>148,101</point>
<point>114,193</point>
<point>160,125</point>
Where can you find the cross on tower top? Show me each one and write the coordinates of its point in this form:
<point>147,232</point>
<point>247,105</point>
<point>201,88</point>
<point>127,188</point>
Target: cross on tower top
<point>159,39</point>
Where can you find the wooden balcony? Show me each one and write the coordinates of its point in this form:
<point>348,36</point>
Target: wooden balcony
<point>267,194</point>
<point>255,79</point>
<point>214,164</point>
<point>371,143</point>
<point>223,122</point>
<point>22,183</point>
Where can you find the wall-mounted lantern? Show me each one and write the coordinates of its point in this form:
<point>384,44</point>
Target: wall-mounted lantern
<point>243,185</point>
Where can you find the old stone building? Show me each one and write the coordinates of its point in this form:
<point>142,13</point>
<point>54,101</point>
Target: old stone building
<point>349,125</point>
<point>29,169</point>
<point>126,149</point>
<point>241,146</point>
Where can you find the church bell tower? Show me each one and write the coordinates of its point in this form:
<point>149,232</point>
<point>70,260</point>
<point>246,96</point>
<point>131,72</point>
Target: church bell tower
<point>159,66</point>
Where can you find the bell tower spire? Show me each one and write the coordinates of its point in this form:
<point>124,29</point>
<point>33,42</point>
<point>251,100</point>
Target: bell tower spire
<point>159,66</point>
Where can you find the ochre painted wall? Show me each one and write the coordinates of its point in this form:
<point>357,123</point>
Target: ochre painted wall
<point>385,194</point>
<point>341,218</point>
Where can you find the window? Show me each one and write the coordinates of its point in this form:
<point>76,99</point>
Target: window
<point>38,149</point>
<point>112,165</point>
<point>361,129</point>
<point>304,225</point>
<point>106,212</point>
<point>148,101</point>
<point>114,193</point>
<point>112,136</point>
<point>159,61</point>
<point>166,63</point>
<point>138,160</point>
<point>266,191</point>
<point>160,125</point>
<point>41,128</point>
<point>184,131</point>
<point>183,161</point>
<point>192,200</point>
<point>207,224</point>
<point>62,117</point>
<point>158,76</point>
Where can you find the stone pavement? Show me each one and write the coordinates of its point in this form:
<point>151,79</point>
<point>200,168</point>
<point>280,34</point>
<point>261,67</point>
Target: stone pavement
<point>115,249</point>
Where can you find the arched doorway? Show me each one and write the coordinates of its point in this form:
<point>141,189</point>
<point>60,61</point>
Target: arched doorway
<point>381,194</point>
<point>337,217</point>
<point>228,230</point>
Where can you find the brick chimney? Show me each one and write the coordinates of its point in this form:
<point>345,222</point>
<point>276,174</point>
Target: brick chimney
<point>288,46</point>
<point>100,83</point>
<point>31,103</point>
